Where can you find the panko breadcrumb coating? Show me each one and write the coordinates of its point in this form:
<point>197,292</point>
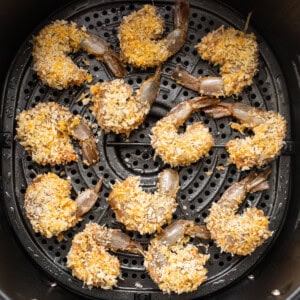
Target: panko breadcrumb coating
<point>237,54</point>
<point>44,131</point>
<point>242,233</point>
<point>50,54</point>
<point>48,205</point>
<point>141,211</point>
<point>185,148</point>
<point>117,109</point>
<point>175,265</point>
<point>261,148</point>
<point>140,31</point>
<point>269,131</point>
<point>90,261</point>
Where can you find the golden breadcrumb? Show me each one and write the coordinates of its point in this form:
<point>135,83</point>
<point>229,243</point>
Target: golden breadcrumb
<point>263,146</point>
<point>44,131</point>
<point>178,268</point>
<point>116,108</point>
<point>138,35</point>
<point>180,149</point>
<point>48,205</point>
<point>50,54</point>
<point>238,234</point>
<point>90,261</point>
<point>237,54</point>
<point>138,210</point>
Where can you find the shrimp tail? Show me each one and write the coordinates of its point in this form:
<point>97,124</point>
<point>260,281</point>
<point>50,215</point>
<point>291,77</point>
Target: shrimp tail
<point>97,46</point>
<point>258,181</point>
<point>219,111</point>
<point>90,153</point>
<point>208,85</point>
<point>150,88</point>
<point>177,37</point>
<point>87,199</point>
<point>168,182</point>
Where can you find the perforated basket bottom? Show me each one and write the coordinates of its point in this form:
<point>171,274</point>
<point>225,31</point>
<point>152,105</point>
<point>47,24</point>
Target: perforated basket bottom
<point>201,183</point>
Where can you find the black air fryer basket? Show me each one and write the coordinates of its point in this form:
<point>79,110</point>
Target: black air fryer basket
<point>33,267</point>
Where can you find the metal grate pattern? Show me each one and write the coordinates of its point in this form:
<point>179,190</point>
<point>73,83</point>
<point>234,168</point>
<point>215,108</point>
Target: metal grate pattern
<point>201,183</point>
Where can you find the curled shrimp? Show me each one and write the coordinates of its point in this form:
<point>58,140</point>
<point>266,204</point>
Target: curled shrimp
<point>142,211</point>
<point>60,38</point>
<point>117,109</point>
<point>234,233</point>
<point>186,148</point>
<point>237,54</point>
<point>139,33</point>
<point>90,260</point>
<point>44,131</point>
<point>49,207</point>
<point>269,130</point>
<point>174,265</point>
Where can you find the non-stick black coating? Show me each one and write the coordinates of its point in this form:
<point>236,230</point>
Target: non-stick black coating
<point>119,152</point>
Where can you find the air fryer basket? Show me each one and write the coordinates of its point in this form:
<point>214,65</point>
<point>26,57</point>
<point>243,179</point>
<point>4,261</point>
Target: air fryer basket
<point>201,183</point>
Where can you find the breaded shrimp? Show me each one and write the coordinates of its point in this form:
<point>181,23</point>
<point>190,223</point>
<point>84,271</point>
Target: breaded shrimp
<point>139,35</point>
<point>174,265</point>
<point>44,131</point>
<point>90,260</point>
<point>237,54</point>
<point>186,148</point>
<point>141,211</point>
<point>60,38</point>
<point>269,130</point>
<point>117,109</point>
<point>49,207</point>
<point>242,233</point>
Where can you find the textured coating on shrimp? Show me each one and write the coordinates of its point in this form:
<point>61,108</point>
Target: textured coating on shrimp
<point>90,261</point>
<point>139,33</point>
<point>269,131</point>
<point>142,211</point>
<point>117,109</point>
<point>237,54</point>
<point>50,50</point>
<point>234,233</point>
<point>53,44</point>
<point>48,205</point>
<point>185,148</point>
<point>89,258</point>
<point>175,267</point>
<point>44,131</point>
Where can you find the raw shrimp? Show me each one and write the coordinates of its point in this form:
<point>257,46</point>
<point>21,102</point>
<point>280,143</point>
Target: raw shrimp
<point>60,38</point>
<point>44,131</point>
<point>269,130</point>
<point>172,263</point>
<point>139,35</point>
<point>186,148</point>
<point>141,211</point>
<point>90,260</point>
<point>49,207</point>
<point>117,109</point>
<point>237,54</point>
<point>234,233</point>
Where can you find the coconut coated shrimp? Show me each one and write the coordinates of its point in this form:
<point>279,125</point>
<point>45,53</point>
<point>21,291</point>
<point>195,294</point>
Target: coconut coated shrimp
<point>141,211</point>
<point>60,38</point>
<point>90,260</point>
<point>186,148</point>
<point>174,265</point>
<point>234,233</point>
<point>49,207</point>
<point>44,131</point>
<point>237,54</point>
<point>140,31</point>
<point>117,109</point>
<point>269,130</point>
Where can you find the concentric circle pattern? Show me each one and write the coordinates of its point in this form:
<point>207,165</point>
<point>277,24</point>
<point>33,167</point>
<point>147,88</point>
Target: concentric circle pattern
<point>201,183</point>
